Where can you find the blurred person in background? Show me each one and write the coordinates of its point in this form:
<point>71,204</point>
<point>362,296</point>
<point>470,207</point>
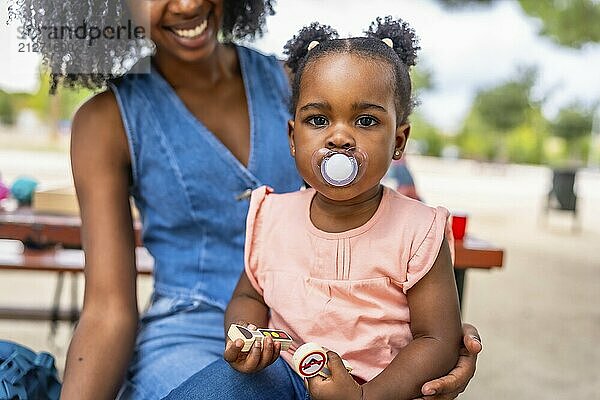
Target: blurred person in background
<point>403,179</point>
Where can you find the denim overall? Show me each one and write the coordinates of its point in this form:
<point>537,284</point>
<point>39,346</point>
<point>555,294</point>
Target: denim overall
<point>192,194</point>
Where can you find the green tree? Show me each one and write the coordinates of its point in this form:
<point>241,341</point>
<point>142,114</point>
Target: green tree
<point>7,109</point>
<point>525,143</point>
<point>427,135</point>
<point>571,23</point>
<point>505,123</point>
<point>68,100</point>
<point>573,122</point>
<point>574,125</point>
<point>422,79</point>
<point>506,106</point>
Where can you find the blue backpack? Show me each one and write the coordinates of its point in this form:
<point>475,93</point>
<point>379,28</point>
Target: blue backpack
<point>25,375</point>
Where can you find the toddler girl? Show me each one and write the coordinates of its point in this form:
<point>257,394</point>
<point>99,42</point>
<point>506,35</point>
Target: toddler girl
<point>348,263</point>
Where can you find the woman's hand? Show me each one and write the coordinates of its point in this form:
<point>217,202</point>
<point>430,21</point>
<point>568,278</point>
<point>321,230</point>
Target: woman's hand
<point>339,386</point>
<point>450,386</point>
<point>257,358</point>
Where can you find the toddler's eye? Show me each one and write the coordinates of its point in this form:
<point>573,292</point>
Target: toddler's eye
<point>366,121</point>
<point>317,121</point>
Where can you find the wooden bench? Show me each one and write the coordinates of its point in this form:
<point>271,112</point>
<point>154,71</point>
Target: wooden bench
<point>62,262</point>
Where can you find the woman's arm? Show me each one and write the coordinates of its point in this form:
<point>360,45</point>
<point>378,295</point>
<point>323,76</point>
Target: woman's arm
<point>102,344</point>
<point>436,328</point>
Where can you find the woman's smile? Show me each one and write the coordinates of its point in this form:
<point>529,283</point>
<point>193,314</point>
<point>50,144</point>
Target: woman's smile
<point>192,33</point>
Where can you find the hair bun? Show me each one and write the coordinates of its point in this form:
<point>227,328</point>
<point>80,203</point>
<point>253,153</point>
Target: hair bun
<point>297,47</point>
<point>403,37</point>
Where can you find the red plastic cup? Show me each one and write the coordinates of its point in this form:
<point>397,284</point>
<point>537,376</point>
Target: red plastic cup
<point>459,226</point>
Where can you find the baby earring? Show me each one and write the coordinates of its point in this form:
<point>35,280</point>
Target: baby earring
<point>397,153</point>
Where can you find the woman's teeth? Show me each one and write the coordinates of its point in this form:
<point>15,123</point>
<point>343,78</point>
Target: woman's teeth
<point>192,33</point>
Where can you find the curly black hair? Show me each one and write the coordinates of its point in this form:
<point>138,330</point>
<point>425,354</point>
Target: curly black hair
<point>401,56</point>
<point>73,63</point>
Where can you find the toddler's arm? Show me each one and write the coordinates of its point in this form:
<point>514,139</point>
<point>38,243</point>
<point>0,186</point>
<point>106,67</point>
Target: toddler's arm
<point>436,327</point>
<point>247,307</point>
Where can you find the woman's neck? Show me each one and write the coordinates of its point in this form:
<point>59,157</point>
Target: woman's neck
<point>219,65</point>
<point>339,216</point>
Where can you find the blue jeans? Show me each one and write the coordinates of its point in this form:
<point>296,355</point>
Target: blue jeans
<point>177,337</point>
<point>220,381</point>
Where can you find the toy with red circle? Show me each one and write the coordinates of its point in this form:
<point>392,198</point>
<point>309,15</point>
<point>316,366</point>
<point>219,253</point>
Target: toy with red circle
<point>310,360</point>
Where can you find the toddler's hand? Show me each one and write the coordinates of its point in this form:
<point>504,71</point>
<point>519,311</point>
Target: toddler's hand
<point>339,386</point>
<point>257,358</point>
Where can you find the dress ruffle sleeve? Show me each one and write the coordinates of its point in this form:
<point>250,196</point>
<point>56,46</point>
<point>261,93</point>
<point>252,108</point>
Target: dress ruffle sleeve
<point>253,243</point>
<point>427,251</point>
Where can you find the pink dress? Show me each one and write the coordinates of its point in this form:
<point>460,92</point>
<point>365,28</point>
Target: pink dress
<point>345,291</point>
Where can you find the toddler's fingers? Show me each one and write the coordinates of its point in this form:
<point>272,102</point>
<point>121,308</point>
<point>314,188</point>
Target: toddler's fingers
<point>335,364</point>
<point>276,352</point>
<point>254,356</point>
<point>232,350</point>
<point>267,352</point>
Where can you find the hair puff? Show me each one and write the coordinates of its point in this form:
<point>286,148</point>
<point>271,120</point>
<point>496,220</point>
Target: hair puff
<point>402,35</point>
<point>297,47</point>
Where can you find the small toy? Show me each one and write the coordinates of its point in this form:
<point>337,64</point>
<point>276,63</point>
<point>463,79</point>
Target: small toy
<point>249,336</point>
<point>310,360</point>
<point>22,189</point>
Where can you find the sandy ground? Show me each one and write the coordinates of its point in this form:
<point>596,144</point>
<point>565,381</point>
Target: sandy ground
<point>539,316</point>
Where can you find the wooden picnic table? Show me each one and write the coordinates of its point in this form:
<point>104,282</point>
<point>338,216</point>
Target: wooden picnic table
<point>43,230</point>
<point>41,233</point>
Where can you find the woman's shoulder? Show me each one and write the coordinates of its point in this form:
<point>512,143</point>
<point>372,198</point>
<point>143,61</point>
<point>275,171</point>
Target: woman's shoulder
<point>100,110</point>
<point>97,126</point>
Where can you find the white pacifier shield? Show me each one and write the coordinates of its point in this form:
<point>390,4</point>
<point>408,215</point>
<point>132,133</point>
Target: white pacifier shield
<point>339,169</point>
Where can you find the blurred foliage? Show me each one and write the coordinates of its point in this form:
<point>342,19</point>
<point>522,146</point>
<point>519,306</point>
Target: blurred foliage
<point>574,125</point>
<point>477,140</point>
<point>67,101</point>
<point>508,105</point>
<point>421,79</point>
<point>426,135</point>
<point>429,138</point>
<point>505,124</point>
<point>7,109</point>
<point>571,23</point>
<point>525,143</point>
<point>573,122</point>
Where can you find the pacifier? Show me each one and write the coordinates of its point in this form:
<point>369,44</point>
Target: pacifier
<point>339,167</point>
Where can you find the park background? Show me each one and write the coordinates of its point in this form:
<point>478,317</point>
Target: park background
<point>509,92</point>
